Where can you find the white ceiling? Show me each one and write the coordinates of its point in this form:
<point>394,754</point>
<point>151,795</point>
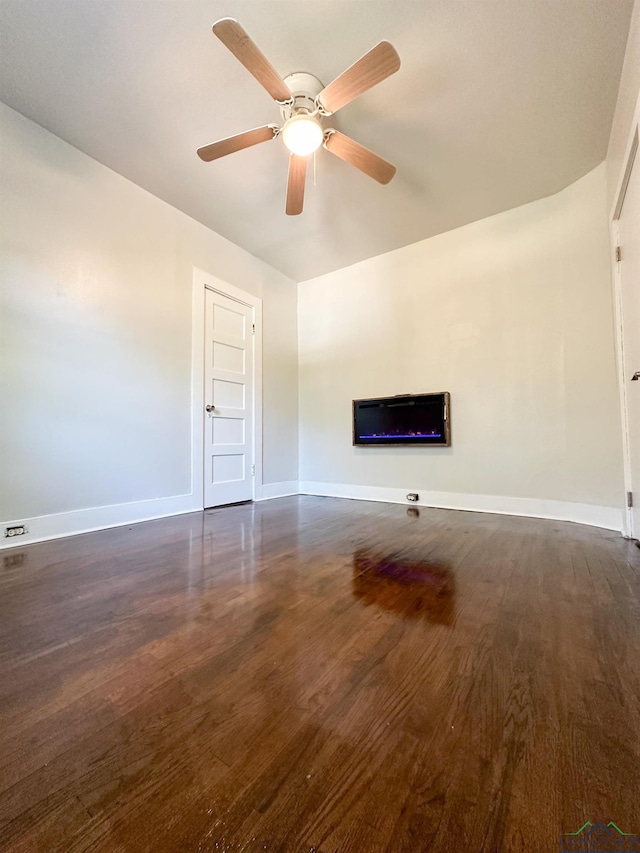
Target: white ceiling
<point>497,103</point>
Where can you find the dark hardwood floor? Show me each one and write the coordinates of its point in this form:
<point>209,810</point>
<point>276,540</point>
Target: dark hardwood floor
<point>314,675</point>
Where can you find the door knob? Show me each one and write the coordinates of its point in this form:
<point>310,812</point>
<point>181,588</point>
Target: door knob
<point>635,376</point>
<point>210,408</point>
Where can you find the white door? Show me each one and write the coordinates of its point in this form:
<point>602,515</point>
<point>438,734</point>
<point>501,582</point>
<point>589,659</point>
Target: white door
<point>629,239</point>
<point>228,398</point>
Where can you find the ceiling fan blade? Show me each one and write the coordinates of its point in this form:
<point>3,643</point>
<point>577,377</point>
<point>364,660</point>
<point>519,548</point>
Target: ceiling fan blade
<point>359,156</point>
<point>236,143</point>
<point>232,36</point>
<point>295,184</point>
<point>372,68</point>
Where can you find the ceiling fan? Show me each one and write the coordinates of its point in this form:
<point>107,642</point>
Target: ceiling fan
<point>304,102</point>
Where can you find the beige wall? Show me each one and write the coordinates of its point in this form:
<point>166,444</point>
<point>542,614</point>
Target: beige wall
<point>95,334</point>
<point>280,381</point>
<point>513,316</point>
<point>626,109</point>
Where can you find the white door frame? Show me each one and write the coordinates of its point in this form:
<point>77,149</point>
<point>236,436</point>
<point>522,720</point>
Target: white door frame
<point>203,281</point>
<point>630,158</point>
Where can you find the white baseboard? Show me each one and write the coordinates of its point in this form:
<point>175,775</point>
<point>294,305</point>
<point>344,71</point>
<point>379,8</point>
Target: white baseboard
<point>610,518</point>
<point>61,524</point>
<point>279,490</point>
<point>44,527</point>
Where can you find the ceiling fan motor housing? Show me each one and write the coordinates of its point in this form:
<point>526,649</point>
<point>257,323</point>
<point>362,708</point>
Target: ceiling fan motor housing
<point>304,90</point>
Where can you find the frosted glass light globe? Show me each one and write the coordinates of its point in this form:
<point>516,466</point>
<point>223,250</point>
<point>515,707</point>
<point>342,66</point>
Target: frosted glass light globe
<point>302,135</point>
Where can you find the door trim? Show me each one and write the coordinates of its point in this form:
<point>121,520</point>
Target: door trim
<point>614,228</point>
<point>203,281</point>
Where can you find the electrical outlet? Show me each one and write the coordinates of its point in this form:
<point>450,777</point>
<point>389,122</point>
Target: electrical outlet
<point>16,530</point>
<point>413,496</point>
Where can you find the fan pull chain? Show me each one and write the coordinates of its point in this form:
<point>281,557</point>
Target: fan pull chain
<point>314,169</point>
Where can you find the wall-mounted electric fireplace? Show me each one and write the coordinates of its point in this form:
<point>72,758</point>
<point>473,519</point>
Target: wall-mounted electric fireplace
<point>411,419</point>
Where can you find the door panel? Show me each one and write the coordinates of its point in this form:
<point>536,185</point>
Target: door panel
<point>228,384</point>
<point>228,394</point>
<point>227,469</point>
<point>228,430</point>
<point>629,235</point>
<point>228,357</point>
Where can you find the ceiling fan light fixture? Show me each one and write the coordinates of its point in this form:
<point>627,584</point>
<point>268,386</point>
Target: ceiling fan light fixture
<point>302,134</point>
